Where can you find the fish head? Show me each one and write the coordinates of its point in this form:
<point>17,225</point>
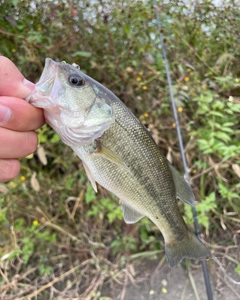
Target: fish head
<point>72,102</point>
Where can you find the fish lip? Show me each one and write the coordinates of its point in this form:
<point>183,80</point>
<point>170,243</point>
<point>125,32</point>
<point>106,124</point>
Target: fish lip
<point>44,86</point>
<point>46,81</point>
<point>44,101</point>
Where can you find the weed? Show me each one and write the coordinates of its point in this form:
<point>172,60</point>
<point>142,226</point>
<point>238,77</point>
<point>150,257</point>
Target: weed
<point>60,238</point>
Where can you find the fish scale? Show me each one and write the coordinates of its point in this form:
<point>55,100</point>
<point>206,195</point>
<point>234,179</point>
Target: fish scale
<point>153,191</point>
<point>119,153</point>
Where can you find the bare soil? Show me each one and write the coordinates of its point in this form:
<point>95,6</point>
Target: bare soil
<point>153,283</point>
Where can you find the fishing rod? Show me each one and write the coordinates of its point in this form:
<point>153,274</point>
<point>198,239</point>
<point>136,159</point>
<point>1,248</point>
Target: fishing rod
<point>181,146</point>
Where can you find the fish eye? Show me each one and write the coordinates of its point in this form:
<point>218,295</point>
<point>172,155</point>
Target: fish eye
<point>76,80</point>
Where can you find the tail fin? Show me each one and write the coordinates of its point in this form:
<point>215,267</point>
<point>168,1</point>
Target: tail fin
<point>190,247</point>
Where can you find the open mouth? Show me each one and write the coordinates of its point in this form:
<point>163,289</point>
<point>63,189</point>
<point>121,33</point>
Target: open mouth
<point>38,99</point>
<point>47,88</point>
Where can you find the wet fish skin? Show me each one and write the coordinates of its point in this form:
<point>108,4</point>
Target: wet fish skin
<point>122,156</point>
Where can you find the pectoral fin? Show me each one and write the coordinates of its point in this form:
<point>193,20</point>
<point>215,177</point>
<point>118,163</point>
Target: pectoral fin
<point>183,189</point>
<point>90,177</point>
<point>110,155</point>
<point>130,215</point>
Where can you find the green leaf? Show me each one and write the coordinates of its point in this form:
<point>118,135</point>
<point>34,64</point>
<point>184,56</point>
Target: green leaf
<point>227,129</point>
<point>222,136</point>
<point>55,138</point>
<point>82,54</point>
<point>216,113</point>
<point>15,2</point>
<point>237,269</point>
<point>90,194</point>
<point>228,124</point>
<point>127,30</point>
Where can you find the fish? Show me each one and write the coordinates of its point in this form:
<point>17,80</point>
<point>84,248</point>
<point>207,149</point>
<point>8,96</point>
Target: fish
<point>118,153</point>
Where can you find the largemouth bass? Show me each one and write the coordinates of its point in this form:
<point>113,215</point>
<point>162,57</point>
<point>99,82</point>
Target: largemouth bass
<point>119,153</point>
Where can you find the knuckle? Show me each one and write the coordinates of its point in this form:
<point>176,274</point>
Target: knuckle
<point>9,168</point>
<point>31,142</point>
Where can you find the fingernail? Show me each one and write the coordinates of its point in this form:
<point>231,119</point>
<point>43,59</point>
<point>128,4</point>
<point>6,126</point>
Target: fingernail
<point>28,84</point>
<point>5,114</point>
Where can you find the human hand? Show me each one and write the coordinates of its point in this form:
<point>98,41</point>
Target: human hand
<point>18,119</point>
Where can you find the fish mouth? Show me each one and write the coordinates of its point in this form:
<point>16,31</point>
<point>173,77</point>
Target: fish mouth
<point>42,95</point>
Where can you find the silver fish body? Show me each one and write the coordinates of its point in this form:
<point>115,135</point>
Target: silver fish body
<point>118,153</point>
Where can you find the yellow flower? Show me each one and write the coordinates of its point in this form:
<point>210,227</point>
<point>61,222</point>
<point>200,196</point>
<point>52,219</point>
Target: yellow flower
<point>173,125</point>
<point>237,80</point>
<point>180,109</point>
<point>35,223</point>
<point>146,115</point>
<point>22,178</point>
<point>139,78</point>
<point>39,28</point>
<point>186,79</point>
<point>164,290</point>
<point>198,32</point>
<point>12,184</point>
<point>144,87</point>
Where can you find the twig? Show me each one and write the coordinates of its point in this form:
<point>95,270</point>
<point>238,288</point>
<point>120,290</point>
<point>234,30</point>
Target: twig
<point>206,171</point>
<point>93,243</point>
<point>184,290</point>
<point>192,281</point>
<point>4,276</point>
<point>123,293</point>
<point>12,34</point>
<point>229,285</point>
<point>130,277</point>
<point>224,272</point>
<point>79,199</point>
<point>56,227</point>
<point>96,260</point>
<point>157,268</point>
<point>60,229</point>
<point>87,295</point>
<point>35,293</point>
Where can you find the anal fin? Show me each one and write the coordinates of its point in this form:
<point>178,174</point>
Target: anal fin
<point>130,215</point>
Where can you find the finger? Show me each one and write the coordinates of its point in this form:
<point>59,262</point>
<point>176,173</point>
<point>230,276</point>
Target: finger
<point>17,144</point>
<point>17,114</point>
<point>12,81</point>
<point>9,168</point>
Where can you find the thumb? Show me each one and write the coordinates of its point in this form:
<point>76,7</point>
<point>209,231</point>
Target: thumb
<point>12,81</point>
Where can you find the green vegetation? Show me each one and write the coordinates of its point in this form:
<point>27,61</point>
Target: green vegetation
<point>57,235</point>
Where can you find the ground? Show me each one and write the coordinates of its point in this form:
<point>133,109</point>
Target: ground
<point>153,283</point>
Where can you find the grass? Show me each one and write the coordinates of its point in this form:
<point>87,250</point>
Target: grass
<point>61,240</point>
